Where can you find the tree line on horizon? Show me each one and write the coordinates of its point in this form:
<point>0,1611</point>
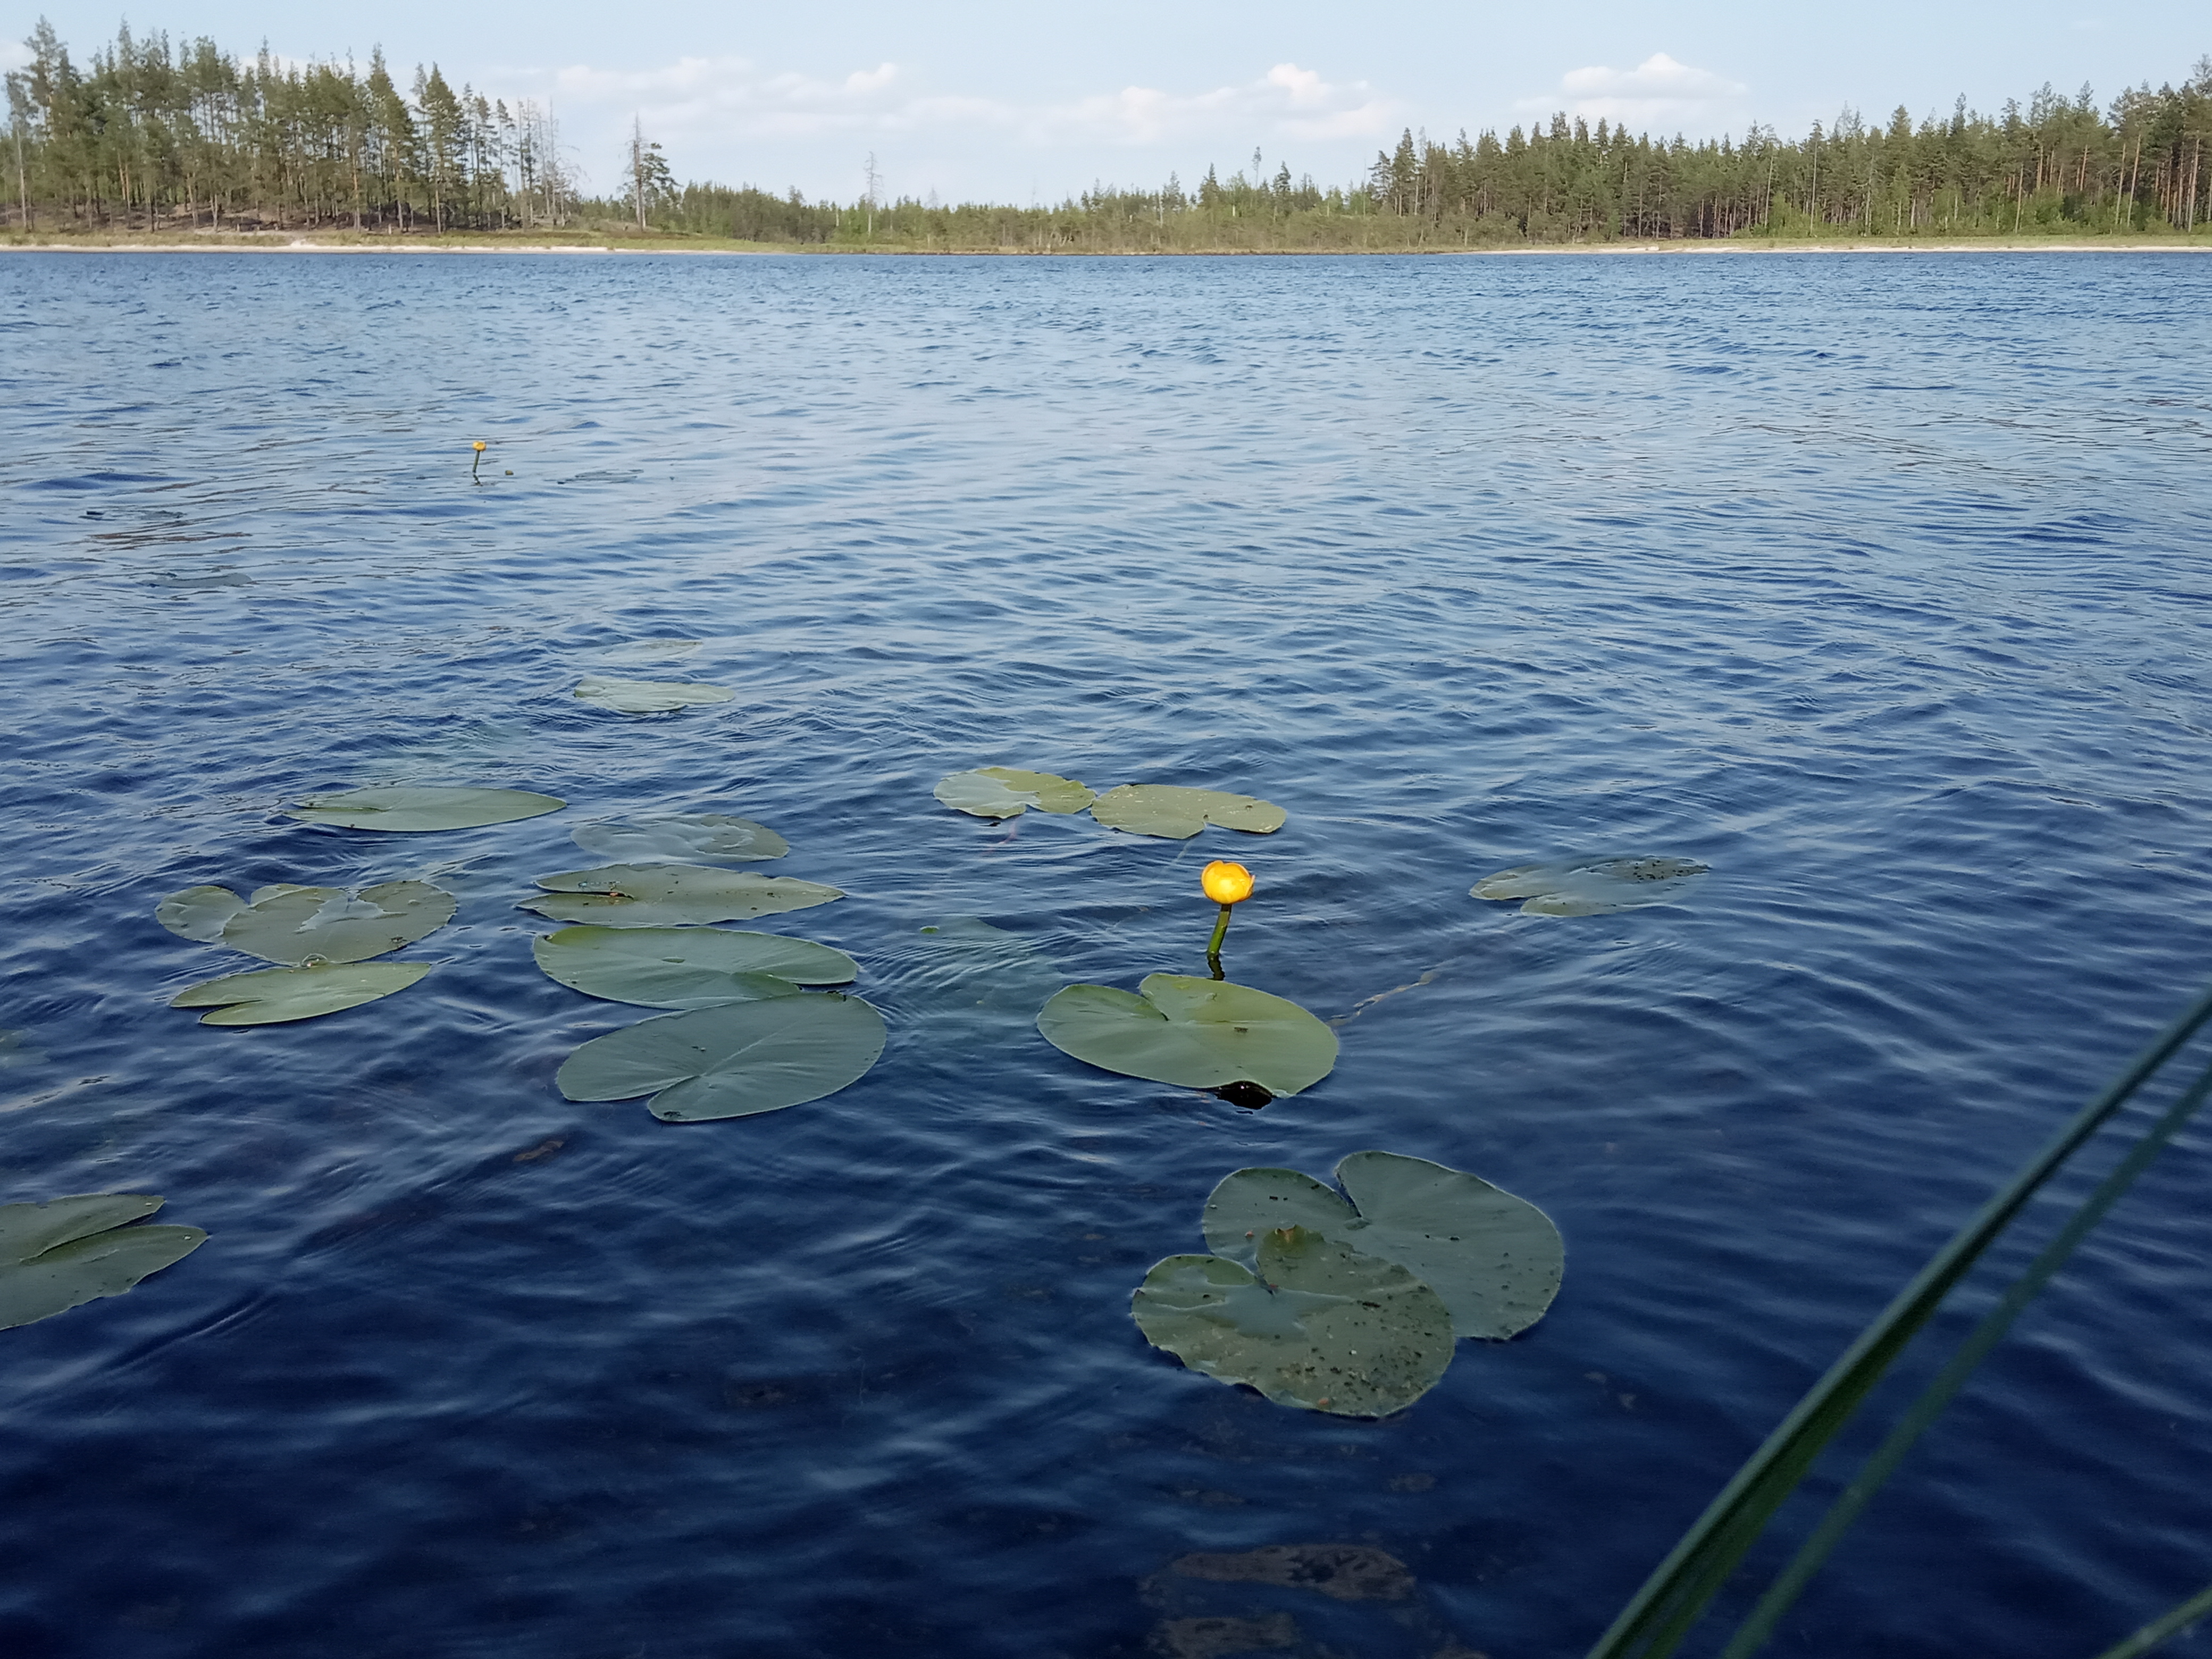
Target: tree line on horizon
<point>150,136</point>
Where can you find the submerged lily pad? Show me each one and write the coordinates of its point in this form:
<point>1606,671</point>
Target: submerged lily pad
<point>412,808</point>
<point>1319,1325</point>
<point>1199,1033</point>
<point>1176,814</point>
<point>732,1061</point>
<point>647,696</point>
<point>1007,792</point>
<point>686,967</point>
<point>1496,1259</point>
<point>67,1251</point>
<point>1592,887</point>
<point>672,895</point>
<point>647,650</point>
<point>272,996</point>
<point>685,837</point>
<point>963,965</point>
<point>298,925</point>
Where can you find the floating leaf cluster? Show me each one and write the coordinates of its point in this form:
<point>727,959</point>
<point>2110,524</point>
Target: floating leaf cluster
<point>1164,811</point>
<point>1592,887</point>
<point>672,895</point>
<point>323,937</point>
<point>1007,792</point>
<point>749,1036</point>
<point>67,1251</point>
<point>1350,1303</point>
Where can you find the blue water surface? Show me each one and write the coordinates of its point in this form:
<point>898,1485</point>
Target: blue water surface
<point>1876,583</point>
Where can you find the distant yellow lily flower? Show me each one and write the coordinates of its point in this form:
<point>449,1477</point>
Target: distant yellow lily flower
<point>1225,882</point>
<point>479,446</point>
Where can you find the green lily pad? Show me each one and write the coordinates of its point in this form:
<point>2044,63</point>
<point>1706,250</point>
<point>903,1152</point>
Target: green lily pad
<point>410,808</point>
<point>685,838</point>
<point>67,1251</point>
<point>1200,1033</point>
<point>647,696</point>
<point>686,967</point>
<point>1007,792</point>
<point>732,1061</point>
<point>1592,887</point>
<point>299,925</point>
<point>1319,1325</point>
<point>1175,814</point>
<point>272,996</point>
<point>1495,1258</point>
<point>672,895</point>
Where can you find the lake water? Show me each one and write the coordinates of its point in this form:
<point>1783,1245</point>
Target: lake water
<point>1878,584</point>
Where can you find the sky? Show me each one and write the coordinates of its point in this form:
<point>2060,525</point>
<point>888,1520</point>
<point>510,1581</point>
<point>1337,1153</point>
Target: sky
<point>991,100</point>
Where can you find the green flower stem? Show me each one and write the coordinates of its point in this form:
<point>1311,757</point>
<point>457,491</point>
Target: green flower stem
<point>1221,930</point>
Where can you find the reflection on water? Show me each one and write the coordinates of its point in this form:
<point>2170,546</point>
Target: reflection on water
<point>1874,585</point>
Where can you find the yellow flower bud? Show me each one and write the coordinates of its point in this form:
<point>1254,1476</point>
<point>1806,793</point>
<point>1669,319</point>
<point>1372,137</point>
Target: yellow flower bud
<point>1226,882</point>
<point>479,446</point>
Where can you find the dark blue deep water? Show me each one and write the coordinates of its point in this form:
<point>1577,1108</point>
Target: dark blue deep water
<point>1877,583</point>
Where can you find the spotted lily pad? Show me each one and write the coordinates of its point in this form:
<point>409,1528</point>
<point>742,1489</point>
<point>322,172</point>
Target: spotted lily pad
<point>1592,887</point>
<point>1495,1258</point>
<point>299,925</point>
<point>647,696</point>
<point>1175,814</point>
<point>732,1061</point>
<point>1007,792</point>
<point>1318,1325</point>
<point>672,895</point>
<point>67,1251</point>
<point>272,996</point>
<point>686,967</point>
<point>411,808</point>
<point>685,837</point>
<point>1200,1033</point>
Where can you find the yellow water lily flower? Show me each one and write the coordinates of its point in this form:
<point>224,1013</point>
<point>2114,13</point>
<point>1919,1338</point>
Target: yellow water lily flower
<point>1225,882</point>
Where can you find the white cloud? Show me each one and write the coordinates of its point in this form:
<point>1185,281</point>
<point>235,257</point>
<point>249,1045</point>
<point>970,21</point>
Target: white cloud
<point>722,98</point>
<point>1658,91</point>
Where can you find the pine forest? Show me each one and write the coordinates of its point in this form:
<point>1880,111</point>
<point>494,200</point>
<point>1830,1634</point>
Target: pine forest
<point>147,136</point>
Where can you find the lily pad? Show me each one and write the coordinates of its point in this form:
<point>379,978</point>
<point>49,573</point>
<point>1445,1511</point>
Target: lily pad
<point>732,1061</point>
<point>411,808</point>
<point>1176,814</point>
<point>1495,1258</point>
<point>647,696</point>
<point>1007,792</point>
<point>647,650</point>
<point>1199,1033</point>
<point>1318,1325</point>
<point>67,1251</point>
<point>199,912</point>
<point>298,925</point>
<point>672,895</point>
<point>272,996</point>
<point>1592,887</point>
<point>962,966</point>
<point>686,837</point>
<point>686,967</point>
